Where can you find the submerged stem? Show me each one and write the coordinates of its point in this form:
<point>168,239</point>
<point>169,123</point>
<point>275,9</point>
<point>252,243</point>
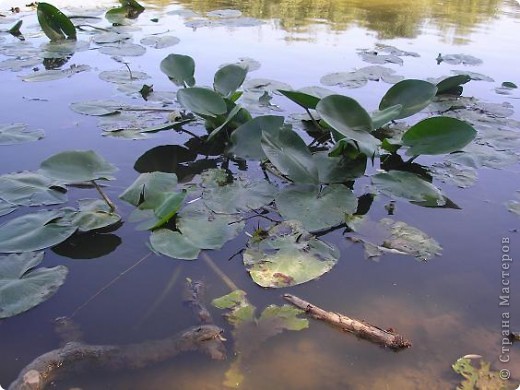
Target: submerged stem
<point>227,281</point>
<point>107,200</point>
<point>313,120</point>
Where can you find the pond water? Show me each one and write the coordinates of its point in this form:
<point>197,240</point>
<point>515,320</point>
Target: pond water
<point>448,306</point>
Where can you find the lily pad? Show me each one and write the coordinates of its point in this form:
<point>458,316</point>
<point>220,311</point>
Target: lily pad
<point>179,69</point>
<point>457,59</point>
<point>315,207</point>
<point>23,286</point>
<point>77,166</point>
<point>30,189</point>
<point>288,152</point>
<point>93,214</point>
<point>148,187</point>
<point>438,135</point>
<point>54,23</point>
<point>389,236</point>
<point>55,74</point>
<point>110,37</point>
<point>202,101</point>
<point>241,195</point>
<point>247,137</point>
<point>412,95</point>
<point>160,42</point>
<point>97,107</point>
<point>123,49</point>
<point>17,133</point>
<point>407,185</point>
<point>173,244</point>
<point>32,232</point>
<point>228,79</point>
<point>457,174</point>
<point>122,76</point>
<point>288,256</point>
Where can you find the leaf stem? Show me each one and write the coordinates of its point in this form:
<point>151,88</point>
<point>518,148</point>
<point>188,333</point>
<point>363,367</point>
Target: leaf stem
<point>107,200</point>
<point>313,119</point>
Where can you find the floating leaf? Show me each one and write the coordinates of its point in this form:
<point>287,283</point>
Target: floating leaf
<point>474,75</point>
<point>30,189</point>
<point>413,95</point>
<point>173,244</point>
<point>246,138</point>
<point>149,187</point>
<point>228,79</point>
<point>407,185</point>
<point>205,229</point>
<point>288,152</point>
<point>457,174</point>
<point>380,118</point>
<point>77,166</point>
<point>339,169</point>
<point>55,74</point>
<point>288,256</point>
<point>437,135</point>
<point>377,58</point>
<point>110,37</point>
<point>6,207</point>
<point>17,133</point>
<point>360,77</point>
<point>241,195</point>
<point>316,208</point>
<point>22,286</point>
<point>54,23</point>
<point>32,232</point>
<point>202,101</point>
<point>180,69</point>
<point>160,42</point>
<point>93,214</point>
<point>97,107</point>
<point>456,59</point>
<point>122,76</point>
<point>390,236</point>
<point>123,49</point>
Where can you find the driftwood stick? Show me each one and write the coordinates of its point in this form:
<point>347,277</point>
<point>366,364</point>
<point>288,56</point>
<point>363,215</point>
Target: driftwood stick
<point>387,338</point>
<point>78,357</point>
<point>193,296</point>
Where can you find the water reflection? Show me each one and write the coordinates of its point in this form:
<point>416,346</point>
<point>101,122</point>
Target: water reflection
<point>388,19</point>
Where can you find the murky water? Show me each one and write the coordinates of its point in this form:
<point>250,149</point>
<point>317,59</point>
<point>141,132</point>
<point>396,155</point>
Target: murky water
<point>448,307</point>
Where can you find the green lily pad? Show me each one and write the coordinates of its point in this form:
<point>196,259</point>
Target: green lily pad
<point>315,207</point>
<point>55,74</point>
<point>389,236</point>
<point>438,135</point>
<point>77,166</point>
<point>6,207</point>
<point>457,174</point>
<point>160,42</point>
<point>173,244</point>
<point>228,79</point>
<point>340,169</point>
<point>179,69</point>
<point>240,195</point>
<point>247,137</point>
<point>205,229</point>
<point>407,185</point>
<point>32,232</point>
<point>123,49</point>
<point>346,116</point>
<point>413,95</point>
<point>97,107</point>
<point>457,59</point>
<point>148,187</point>
<point>22,286</point>
<point>288,152</point>
<point>93,214</point>
<point>30,189</point>
<point>17,133</point>
<point>110,37</point>
<point>202,101</point>
<point>288,256</point>
<point>122,76</point>
<point>301,98</point>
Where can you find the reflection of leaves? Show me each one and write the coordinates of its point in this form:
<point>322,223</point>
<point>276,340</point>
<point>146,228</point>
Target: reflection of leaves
<point>23,287</point>
<point>87,246</point>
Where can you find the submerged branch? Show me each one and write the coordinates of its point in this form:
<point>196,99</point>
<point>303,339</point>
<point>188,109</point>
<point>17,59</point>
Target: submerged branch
<point>78,357</point>
<point>387,338</point>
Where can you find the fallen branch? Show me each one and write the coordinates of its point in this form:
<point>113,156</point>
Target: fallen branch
<point>78,357</point>
<point>387,338</point>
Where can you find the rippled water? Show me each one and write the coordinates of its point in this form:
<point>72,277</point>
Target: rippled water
<point>448,307</point>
